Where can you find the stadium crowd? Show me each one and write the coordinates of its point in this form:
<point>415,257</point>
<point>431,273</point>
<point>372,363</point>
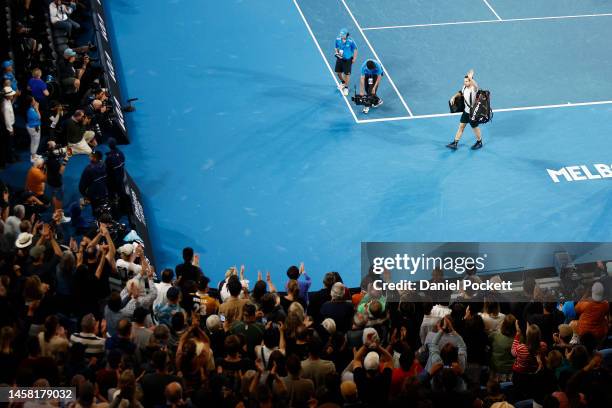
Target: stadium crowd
<point>168,338</point>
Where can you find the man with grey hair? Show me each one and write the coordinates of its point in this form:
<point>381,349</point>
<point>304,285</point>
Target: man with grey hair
<point>11,225</point>
<point>338,309</point>
<point>94,345</point>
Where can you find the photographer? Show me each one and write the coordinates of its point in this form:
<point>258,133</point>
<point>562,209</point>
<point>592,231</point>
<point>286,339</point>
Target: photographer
<point>59,14</point>
<point>371,74</point>
<point>70,77</point>
<point>80,139</point>
<point>346,55</point>
<point>56,160</point>
<point>468,93</point>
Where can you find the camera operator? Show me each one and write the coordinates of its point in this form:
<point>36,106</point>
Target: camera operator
<point>95,92</point>
<point>70,77</point>
<point>93,184</point>
<point>371,74</point>
<point>80,139</point>
<point>56,160</point>
<point>59,14</point>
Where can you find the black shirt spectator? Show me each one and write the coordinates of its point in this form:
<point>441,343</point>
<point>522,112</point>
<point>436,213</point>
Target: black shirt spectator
<point>187,271</point>
<point>93,180</point>
<point>154,384</point>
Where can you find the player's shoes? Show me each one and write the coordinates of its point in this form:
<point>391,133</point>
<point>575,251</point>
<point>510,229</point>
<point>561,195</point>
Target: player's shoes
<point>345,91</point>
<point>341,86</point>
<point>477,145</point>
<point>380,102</point>
<point>453,145</point>
<point>366,109</point>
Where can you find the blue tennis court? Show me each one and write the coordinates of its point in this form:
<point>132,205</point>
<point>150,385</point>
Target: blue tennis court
<point>245,145</point>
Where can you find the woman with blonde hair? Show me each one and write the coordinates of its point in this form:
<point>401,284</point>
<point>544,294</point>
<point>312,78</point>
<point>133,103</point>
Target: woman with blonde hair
<point>468,93</point>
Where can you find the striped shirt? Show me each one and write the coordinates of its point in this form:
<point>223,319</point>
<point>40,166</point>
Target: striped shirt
<point>524,362</point>
<point>94,345</point>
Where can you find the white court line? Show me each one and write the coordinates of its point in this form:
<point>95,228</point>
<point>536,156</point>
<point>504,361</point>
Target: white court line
<point>523,108</point>
<point>331,71</point>
<point>508,20</point>
<point>378,58</point>
<point>491,8</point>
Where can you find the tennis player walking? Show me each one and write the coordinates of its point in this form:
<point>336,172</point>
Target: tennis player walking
<point>468,93</point>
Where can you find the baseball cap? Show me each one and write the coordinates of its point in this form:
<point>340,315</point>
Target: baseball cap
<point>8,91</point>
<point>23,240</point>
<point>7,63</point>
<point>343,32</point>
<point>371,361</point>
<point>597,292</point>
<point>69,52</point>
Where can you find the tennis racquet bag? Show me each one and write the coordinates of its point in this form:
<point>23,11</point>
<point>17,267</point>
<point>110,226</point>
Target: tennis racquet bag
<point>481,112</point>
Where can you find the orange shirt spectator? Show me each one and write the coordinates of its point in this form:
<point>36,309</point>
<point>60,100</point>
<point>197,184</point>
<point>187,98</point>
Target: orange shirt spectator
<point>36,178</point>
<point>593,313</point>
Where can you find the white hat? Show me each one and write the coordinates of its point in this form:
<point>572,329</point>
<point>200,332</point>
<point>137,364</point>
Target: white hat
<point>330,325</point>
<point>23,240</point>
<point>8,91</point>
<point>371,361</point>
<point>126,249</point>
<point>597,292</point>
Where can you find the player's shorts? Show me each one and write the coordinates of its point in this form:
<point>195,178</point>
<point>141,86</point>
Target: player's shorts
<point>344,66</point>
<point>465,118</point>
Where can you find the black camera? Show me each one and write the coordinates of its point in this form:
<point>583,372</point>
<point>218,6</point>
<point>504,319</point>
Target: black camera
<point>365,100</point>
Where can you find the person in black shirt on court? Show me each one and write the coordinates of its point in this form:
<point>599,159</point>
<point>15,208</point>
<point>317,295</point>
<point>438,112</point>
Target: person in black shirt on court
<point>189,270</point>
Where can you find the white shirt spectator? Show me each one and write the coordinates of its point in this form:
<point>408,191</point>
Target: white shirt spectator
<point>94,345</point>
<point>492,323</point>
<point>127,268</point>
<point>59,13</point>
<point>162,289</point>
<point>8,114</point>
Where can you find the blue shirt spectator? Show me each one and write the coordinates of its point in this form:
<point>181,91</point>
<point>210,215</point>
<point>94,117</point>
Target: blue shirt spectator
<point>33,118</point>
<point>8,73</point>
<point>38,88</point>
<point>376,71</point>
<point>302,278</point>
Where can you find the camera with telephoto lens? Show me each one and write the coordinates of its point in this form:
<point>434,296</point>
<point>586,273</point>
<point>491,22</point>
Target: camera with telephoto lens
<point>365,100</point>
